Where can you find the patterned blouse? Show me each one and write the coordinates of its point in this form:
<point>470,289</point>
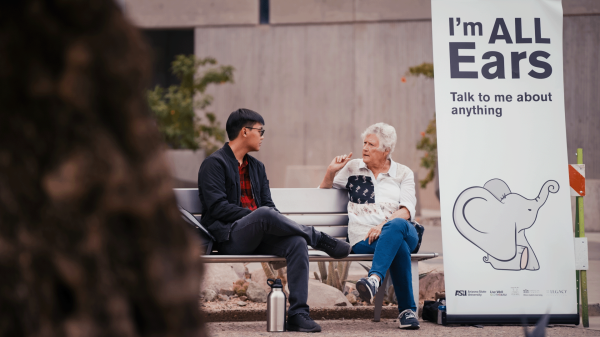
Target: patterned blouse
<point>373,200</point>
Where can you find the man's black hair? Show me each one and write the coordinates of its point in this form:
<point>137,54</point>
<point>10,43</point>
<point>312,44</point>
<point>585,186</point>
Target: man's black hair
<point>241,118</point>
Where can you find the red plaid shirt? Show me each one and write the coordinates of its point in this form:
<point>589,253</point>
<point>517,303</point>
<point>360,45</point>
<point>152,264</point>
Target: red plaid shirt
<point>247,198</point>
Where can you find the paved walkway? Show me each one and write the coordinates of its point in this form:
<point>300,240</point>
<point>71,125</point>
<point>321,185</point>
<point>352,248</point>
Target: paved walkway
<point>387,327</point>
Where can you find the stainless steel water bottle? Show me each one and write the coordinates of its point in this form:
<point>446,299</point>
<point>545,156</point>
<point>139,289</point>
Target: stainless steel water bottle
<point>276,308</point>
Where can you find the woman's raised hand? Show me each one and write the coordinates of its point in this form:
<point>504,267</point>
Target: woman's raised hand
<point>339,162</point>
<point>336,164</point>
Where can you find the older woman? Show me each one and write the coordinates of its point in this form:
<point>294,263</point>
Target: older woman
<point>382,202</point>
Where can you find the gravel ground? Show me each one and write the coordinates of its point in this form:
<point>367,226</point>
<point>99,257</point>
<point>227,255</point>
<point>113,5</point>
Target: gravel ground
<point>387,327</point>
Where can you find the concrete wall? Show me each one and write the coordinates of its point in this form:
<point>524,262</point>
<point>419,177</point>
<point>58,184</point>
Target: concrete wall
<point>194,13</point>
<point>591,203</point>
<point>191,13</point>
<point>581,7</point>
<point>582,104</point>
<point>582,89</point>
<point>321,11</point>
<point>330,11</point>
<point>320,86</point>
<point>325,69</point>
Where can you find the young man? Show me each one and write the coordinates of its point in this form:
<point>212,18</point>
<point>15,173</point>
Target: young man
<point>238,210</point>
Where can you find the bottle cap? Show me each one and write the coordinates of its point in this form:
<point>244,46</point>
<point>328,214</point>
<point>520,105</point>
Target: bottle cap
<point>274,283</point>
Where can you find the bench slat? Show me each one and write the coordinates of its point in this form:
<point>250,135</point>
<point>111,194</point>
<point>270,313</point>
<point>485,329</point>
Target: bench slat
<point>314,256</point>
<point>316,220</point>
<point>337,232</point>
<point>287,200</point>
<point>320,220</point>
<point>188,199</point>
<point>310,200</point>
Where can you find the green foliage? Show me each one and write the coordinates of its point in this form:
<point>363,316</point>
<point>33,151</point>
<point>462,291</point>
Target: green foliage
<point>174,108</point>
<point>425,69</point>
<point>428,143</point>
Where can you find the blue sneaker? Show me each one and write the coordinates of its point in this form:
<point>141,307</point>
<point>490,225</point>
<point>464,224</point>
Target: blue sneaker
<point>367,288</point>
<point>408,320</point>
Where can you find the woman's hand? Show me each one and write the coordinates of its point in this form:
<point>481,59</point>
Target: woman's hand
<point>374,232</point>
<point>338,163</point>
<point>402,213</point>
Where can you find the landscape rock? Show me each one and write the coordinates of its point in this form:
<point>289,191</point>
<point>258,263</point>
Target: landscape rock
<point>260,278</point>
<point>243,298</point>
<point>223,297</point>
<point>209,295</point>
<point>322,295</point>
<point>227,292</point>
<point>239,269</point>
<point>218,276</point>
<point>351,298</point>
<point>390,295</point>
<point>430,284</point>
<point>242,303</point>
<point>256,293</point>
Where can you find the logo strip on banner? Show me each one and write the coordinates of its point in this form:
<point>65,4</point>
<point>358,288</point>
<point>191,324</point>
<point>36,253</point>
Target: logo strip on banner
<point>502,152</point>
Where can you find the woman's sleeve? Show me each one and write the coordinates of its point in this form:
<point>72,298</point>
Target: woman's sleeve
<point>341,178</point>
<point>407,194</point>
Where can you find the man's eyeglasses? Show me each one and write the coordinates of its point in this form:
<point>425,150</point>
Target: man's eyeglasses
<point>261,131</point>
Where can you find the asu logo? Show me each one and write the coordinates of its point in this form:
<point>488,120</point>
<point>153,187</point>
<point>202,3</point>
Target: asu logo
<point>460,293</point>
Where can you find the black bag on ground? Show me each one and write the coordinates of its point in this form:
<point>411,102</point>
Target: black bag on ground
<point>206,239</point>
<point>430,311</point>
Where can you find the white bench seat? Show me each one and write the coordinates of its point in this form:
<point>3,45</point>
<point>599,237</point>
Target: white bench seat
<point>313,256</point>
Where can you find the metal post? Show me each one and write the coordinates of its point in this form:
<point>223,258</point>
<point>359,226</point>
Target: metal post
<point>378,300</point>
<point>583,273</point>
<point>577,271</point>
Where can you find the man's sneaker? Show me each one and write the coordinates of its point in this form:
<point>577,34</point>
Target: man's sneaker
<point>367,288</point>
<point>335,248</point>
<point>303,323</point>
<point>408,320</point>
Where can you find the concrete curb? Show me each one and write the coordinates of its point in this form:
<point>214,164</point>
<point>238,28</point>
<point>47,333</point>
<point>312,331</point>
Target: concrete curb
<point>240,315</point>
<point>248,315</point>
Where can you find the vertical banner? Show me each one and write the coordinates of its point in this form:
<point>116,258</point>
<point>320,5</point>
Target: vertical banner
<point>502,149</point>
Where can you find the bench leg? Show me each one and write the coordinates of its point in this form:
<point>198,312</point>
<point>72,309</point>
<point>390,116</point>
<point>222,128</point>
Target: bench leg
<point>380,295</point>
<point>414,269</point>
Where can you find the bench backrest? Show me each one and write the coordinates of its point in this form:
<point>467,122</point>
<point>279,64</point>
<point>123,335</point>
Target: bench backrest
<point>326,208</point>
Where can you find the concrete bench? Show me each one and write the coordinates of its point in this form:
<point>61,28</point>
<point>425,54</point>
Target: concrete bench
<point>325,209</point>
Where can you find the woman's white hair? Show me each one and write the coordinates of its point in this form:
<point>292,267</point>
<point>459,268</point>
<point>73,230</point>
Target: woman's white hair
<point>386,135</point>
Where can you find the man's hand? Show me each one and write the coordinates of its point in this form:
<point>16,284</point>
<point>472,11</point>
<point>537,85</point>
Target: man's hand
<point>374,232</point>
<point>338,163</point>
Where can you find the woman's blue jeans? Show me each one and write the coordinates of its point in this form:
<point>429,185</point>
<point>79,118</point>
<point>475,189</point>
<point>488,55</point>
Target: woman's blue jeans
<point>392,250</point>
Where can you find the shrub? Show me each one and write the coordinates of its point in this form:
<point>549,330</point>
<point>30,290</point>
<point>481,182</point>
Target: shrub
<point>175,107</point>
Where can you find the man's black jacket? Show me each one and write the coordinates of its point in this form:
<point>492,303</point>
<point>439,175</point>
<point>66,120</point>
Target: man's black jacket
<point>220,192</point>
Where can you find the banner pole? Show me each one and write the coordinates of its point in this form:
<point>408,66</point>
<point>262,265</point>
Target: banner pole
<point>583,273</point>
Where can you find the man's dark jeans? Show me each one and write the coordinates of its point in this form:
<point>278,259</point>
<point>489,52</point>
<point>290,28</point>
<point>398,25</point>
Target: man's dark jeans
<point>265,231</point>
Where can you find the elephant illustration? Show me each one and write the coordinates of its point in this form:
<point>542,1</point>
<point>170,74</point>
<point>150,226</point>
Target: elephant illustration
<point>495,219</point>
